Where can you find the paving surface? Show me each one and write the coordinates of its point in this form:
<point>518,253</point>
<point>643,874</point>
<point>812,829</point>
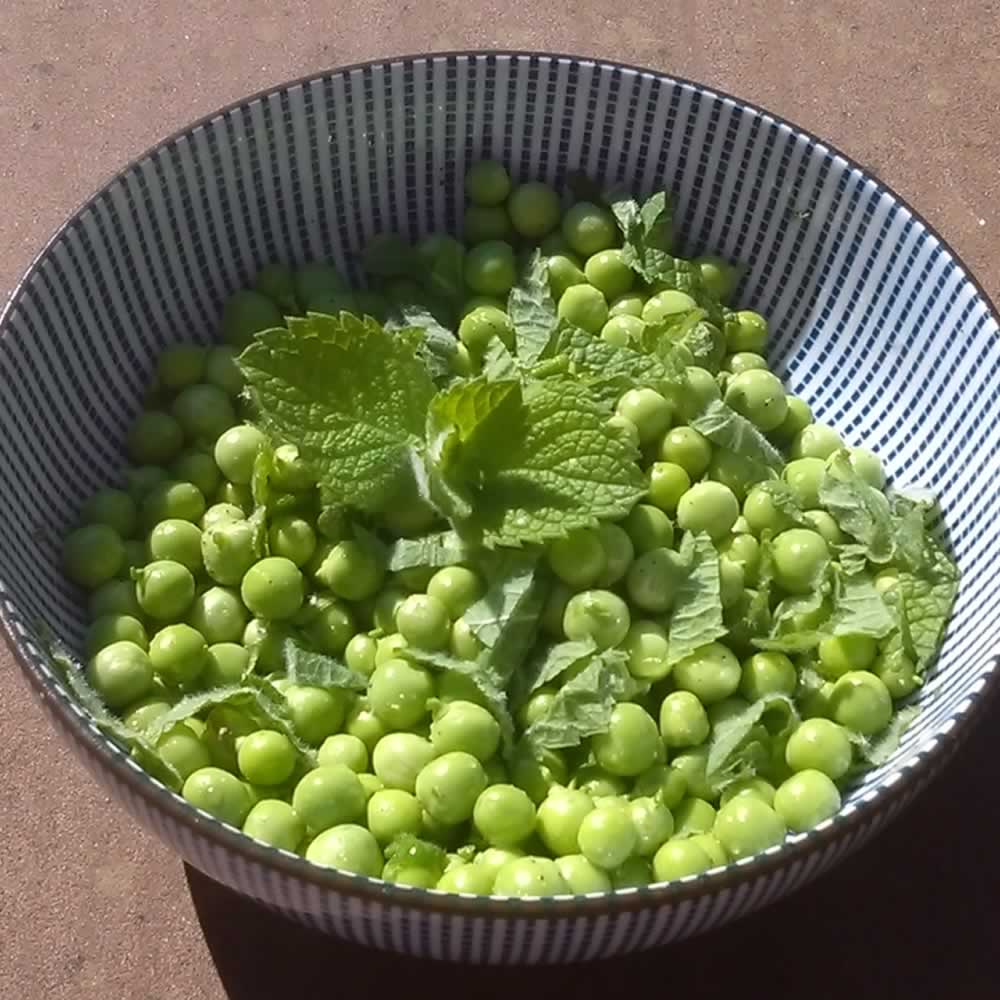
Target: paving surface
<point>92,907</point>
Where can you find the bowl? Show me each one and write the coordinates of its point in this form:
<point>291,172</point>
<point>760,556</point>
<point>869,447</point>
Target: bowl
<point>881,329</point>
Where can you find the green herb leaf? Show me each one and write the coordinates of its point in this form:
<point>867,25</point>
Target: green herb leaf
<point>784,500</point>
<point>911,543</point>
<point>859,509</point>
<point>568,470</point>
<point>853,558</point>
<point>483,675</point>
<point>470,425</point>
<point>445,548</point>
<point>498,362</point>
<point>724,427</point>
<point>647,233</point>
<point>198,704</point>
<point>437,343</point>
<point>582,707</point>
<point>351,396</point>
<point>256,696</point>
<point>269,709</point>
<point>858,608</point>
<point>688,337</point>
<point>408,853</point>
<point>683,275</point>
<point>306,666</point>
<point>549,663</point>
<point>876,751</point>
<point>925,601</point>
<point>749,617</point>
<point>141,746</point>
<point>506,618</point>
<point>532,311</point>
<point>260,478</point>
<point>797,605</point>
<point>729,734</point>
<point>792,642</point>
<point>609,371</point>
<point>696,618</point>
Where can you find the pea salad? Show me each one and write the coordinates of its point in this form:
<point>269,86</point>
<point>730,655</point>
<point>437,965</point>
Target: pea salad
<point>514,572</point>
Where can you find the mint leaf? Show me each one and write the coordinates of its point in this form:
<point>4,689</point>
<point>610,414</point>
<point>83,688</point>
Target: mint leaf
<point>351,396</point>
<point>306,666</point>
<point>910,518</point>
<point>256,696</point>
<point>438,345</point>
<point>724,427</point>
<point>730,733</point>
<point>647,236</point>
<point>858,608</point>
<point>925,602</point>
<point>686,335</point>
<point>260,477</point>
<point>200,703</point>
<point>141,746</point>
<point>853,558</point>
<point>787,634</point>
<point>268,707</point>
<point>506,618</point>
<point>481,672</point>
<point>696,619</point>
<point>445,548</point>
<point>609,371</point>
<point>683,275</point>
<point>568,470</point>
<point>784,500</point>
<point>749,617</point>
<point>409,854</point>
<point>498,362</point>
<point>859,509</point>
<point>791,642</point>
<point>532,311</point>
<point>471,424</point>
<point>874,752</point>
<point>582,707</point>
<point>805,604</point>
<point>549,663</point>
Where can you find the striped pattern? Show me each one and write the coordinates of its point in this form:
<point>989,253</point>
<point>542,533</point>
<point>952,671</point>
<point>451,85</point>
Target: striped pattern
<point>880,328</point>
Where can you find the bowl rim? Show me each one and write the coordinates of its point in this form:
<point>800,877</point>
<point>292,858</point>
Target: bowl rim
<point>885,796</point>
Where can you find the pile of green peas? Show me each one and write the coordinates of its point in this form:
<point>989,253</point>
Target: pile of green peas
<point>183,591</point>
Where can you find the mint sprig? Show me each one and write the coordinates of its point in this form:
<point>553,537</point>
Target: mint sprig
<point>727,429</point>
<point>609,371</point>
<point>647,234</point>
<point>696,619</point>
<point>568,470</point>
<point>508,462</point>
<point>352,396</point>
<point>582,707</point>
<point>532,311</point>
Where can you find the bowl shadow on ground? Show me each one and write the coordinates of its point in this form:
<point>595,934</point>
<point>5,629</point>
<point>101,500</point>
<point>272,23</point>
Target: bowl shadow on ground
<point>909,916</point>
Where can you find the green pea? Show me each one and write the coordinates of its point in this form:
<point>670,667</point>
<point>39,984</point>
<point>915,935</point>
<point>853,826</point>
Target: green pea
<point>487,183</point>
<point>534,209</point>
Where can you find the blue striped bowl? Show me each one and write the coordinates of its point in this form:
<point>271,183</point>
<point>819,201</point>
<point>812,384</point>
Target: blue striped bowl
<point>881,329</point>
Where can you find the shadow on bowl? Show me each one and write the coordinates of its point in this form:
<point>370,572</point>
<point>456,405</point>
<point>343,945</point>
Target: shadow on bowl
<point>875,929</point>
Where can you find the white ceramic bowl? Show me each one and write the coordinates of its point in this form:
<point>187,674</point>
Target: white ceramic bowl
<point>881,328</point>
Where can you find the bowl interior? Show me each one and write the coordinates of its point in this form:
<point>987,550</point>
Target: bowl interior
<point>877,325</point>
